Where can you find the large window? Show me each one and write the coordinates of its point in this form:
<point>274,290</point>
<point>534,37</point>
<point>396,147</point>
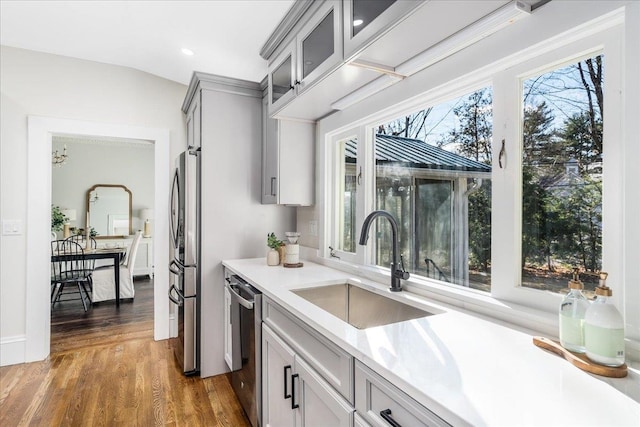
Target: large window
<point>499,183</point>
<point>562,175</point>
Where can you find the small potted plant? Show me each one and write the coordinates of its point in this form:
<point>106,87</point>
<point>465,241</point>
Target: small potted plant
<point>57,219</point>
<point>273,256</point>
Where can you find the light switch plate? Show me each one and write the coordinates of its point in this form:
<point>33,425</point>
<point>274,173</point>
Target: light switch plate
<point>11,227</point>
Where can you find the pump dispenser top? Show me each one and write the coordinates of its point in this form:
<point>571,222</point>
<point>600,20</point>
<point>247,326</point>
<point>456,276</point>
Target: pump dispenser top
<point>602,288</point>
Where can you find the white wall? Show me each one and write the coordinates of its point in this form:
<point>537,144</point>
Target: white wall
<point>95,161</point>
<point>40,84</point>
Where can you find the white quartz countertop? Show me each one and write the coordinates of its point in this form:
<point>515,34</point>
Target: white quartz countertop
<point>467,370</point>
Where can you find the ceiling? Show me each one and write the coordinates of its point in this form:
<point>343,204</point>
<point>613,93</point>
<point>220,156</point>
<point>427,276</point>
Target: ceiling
<point>225,36</point>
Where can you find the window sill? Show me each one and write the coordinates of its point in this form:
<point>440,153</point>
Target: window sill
<point>477,303</point>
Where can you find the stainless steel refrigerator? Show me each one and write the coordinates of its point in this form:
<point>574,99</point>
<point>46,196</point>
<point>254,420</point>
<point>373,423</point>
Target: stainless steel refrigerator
<point>185,268</point>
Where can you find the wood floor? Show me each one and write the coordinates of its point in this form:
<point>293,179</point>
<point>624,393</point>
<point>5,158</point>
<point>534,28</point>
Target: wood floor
<point>105,369</point>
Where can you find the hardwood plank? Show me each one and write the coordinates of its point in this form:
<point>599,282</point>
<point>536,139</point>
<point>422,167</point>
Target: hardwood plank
<point>105,369</point>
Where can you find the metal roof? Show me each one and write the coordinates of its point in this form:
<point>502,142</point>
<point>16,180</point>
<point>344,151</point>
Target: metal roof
<point>417,154</point>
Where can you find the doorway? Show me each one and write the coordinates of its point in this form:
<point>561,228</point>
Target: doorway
<point>38,308</point>
<point>110,181</point>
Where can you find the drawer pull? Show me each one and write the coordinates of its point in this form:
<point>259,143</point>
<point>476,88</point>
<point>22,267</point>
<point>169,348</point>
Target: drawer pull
<point>294,405</point>
<point>286,393</point>
<point>386,415</point>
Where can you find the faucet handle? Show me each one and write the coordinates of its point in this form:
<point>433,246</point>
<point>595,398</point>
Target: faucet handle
<point>401,272</point>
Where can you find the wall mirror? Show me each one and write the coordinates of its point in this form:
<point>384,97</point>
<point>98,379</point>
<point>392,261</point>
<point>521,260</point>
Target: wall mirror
<point>109,208</point>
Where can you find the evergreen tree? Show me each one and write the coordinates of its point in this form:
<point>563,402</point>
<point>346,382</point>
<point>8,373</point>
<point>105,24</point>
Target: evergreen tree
<point>473,137</point>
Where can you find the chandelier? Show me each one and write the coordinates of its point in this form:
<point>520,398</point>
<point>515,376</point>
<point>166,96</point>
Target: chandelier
<point>59,159</point>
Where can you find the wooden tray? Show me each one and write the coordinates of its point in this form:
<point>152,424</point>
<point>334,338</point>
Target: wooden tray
<point>298,265</point>
<point>581,360</point>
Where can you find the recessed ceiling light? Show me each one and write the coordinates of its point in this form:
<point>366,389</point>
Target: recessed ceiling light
<point>186,51</point>
<point>357,22</point>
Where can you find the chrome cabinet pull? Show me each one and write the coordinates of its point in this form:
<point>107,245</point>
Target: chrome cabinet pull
<point>273,185</point>
<point>386,415</point>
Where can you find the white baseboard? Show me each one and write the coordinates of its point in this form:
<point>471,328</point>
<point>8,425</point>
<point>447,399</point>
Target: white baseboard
<point>13,350</point>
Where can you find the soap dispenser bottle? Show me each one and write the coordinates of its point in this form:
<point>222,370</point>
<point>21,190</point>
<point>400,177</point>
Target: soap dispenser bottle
<point>604,328</point>
<point>571,317</point>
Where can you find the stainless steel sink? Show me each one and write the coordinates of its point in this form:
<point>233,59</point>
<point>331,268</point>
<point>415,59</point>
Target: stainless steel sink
<point>359,307</point>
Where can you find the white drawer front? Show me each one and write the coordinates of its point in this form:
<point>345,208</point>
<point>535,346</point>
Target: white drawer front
<point>375,395</point>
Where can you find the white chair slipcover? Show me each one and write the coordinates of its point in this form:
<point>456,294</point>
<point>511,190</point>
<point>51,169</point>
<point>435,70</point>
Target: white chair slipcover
<point>103,280</point>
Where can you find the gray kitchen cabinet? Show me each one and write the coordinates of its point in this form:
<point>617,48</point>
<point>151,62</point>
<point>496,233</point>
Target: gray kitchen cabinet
<point>333,363</point>
<point>277,369</point>
<point>366,20</point>
<point>293,393</point>
<point>287,161</point>
<point>358,421</point>
<point>282,78</point>
<point>380,403</point>
<point>311,52</point>
<point>194,119</point>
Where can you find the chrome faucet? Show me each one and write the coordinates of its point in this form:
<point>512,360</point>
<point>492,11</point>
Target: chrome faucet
<point>397,270</point>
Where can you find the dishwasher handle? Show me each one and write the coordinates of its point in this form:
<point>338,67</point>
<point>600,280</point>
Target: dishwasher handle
<point>243,302</point>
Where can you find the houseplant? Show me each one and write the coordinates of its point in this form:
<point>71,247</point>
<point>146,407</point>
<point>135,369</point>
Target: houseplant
<point>57,218</point>
<point>273,256</point>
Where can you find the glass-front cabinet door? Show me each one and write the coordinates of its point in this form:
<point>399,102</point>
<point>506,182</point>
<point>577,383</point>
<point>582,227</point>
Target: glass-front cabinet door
<point>282,78</point>
<point>364,20</point>
<point>319,44</point>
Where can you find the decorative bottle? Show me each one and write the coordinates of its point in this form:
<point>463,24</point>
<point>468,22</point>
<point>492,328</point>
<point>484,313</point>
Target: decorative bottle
<point>604,328</point>
<point>571,316</point>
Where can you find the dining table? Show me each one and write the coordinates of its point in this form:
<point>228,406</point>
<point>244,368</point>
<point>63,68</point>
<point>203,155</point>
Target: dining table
<point>116,254</point>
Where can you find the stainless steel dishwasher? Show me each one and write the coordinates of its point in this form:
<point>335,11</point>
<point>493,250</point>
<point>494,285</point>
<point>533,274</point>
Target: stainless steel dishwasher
<point>246,337</point>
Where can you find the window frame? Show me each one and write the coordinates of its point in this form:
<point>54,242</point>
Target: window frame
<point>508,212</point>
<point>507,124</point>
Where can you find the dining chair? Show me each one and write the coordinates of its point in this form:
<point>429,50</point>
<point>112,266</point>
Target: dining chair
<point>103,280</point>
<point>70,269</point>
<point>81,239</point>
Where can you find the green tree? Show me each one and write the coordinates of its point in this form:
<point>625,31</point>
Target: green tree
<point>473,136</point>
<point>577,135</point>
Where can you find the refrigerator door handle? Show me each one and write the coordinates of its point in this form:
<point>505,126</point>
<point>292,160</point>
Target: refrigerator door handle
<point>178,293</point>
<point>172,214</point>
<point>176,268</point>
<point>243,302</point>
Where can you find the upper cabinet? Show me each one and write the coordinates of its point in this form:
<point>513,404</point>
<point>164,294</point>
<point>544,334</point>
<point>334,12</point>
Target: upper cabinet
<point>328,55</point>
<point>315,50</point>
<point>287,161</point>
<point>364,20</point>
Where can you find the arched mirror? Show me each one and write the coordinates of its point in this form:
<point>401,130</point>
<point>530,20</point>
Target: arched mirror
<point>109,207</point>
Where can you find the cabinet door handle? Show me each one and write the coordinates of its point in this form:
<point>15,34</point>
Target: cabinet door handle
<point>286,393</point>
<point>294,405</point>
<point>273,185</point>
<point>386,415</point>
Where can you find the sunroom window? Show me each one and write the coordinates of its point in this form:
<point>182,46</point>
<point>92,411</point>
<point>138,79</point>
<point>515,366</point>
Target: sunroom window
<point>433,174</point>
<point>562,175</point>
